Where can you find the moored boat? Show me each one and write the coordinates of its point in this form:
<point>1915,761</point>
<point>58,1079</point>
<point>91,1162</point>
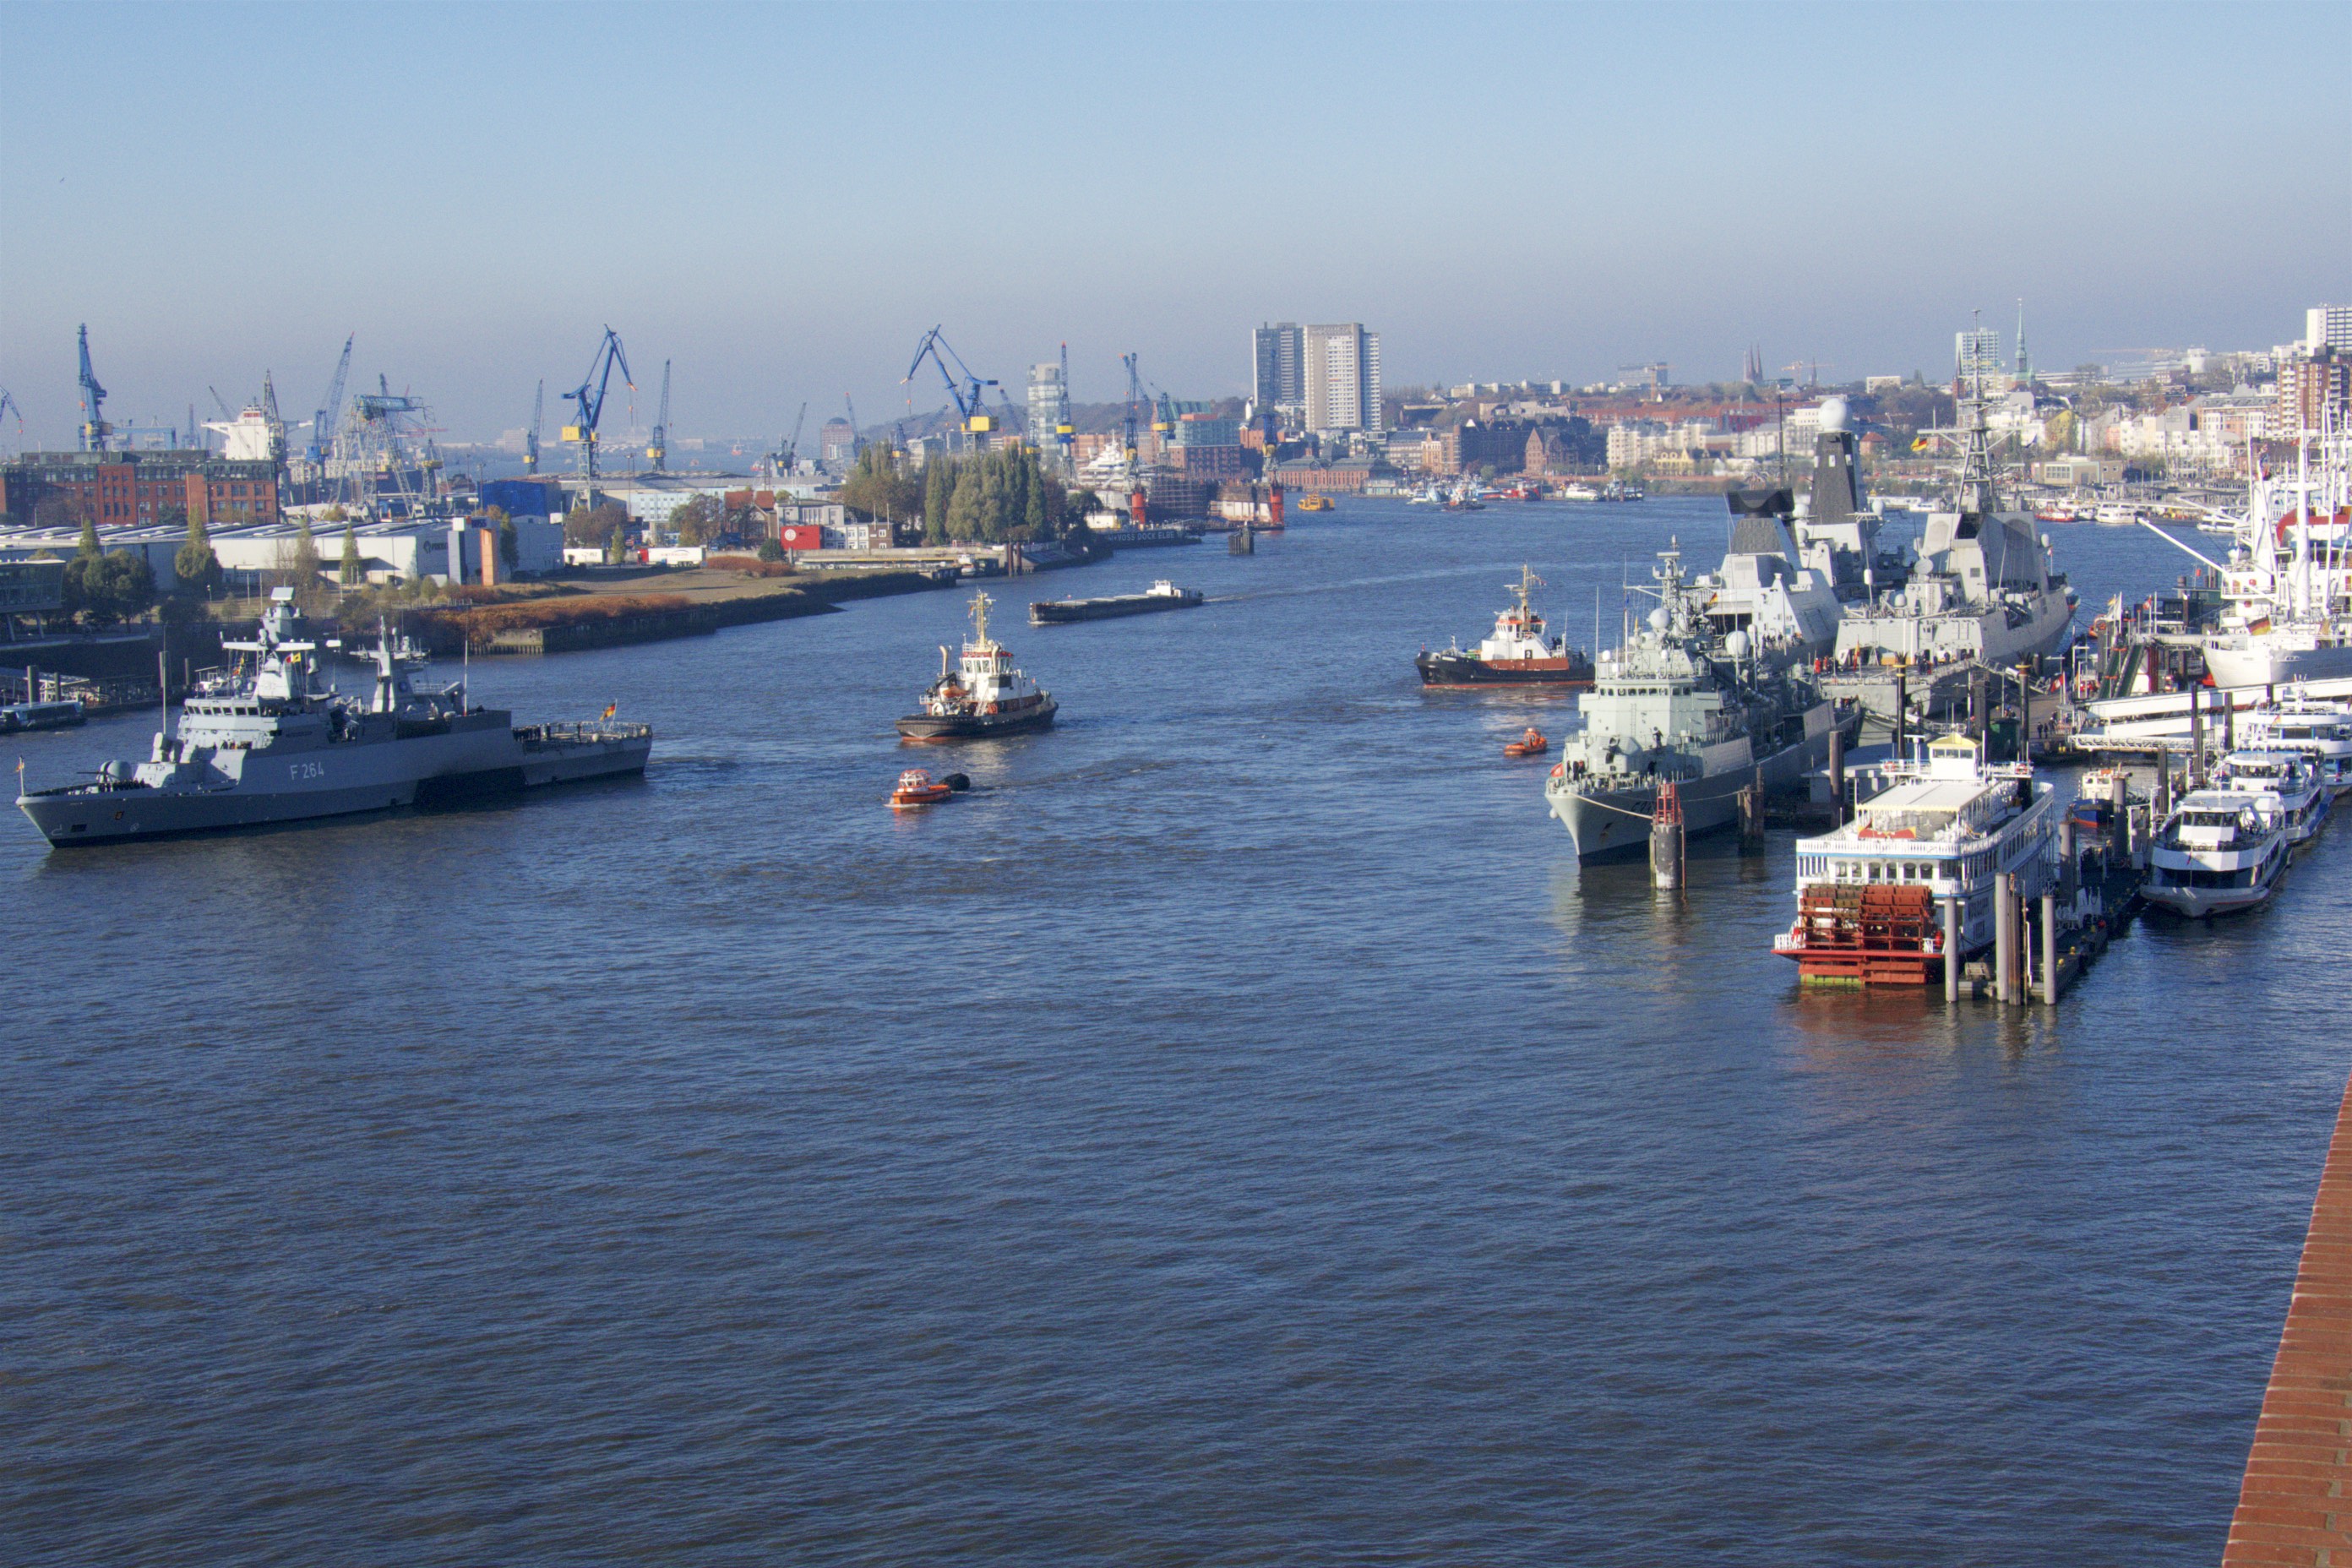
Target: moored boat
<point>2220,851</point>
<point>2304,801</point>
<point>1871,895</point>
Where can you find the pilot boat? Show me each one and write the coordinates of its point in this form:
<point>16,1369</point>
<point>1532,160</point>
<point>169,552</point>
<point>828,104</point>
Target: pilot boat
<point>979,693</point>
<point>1518,654</point>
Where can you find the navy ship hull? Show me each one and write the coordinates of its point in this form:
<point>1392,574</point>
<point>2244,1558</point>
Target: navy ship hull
<point>315,785</point>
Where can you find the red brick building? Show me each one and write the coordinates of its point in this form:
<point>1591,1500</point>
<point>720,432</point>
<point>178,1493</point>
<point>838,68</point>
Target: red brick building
<point>119,488</point>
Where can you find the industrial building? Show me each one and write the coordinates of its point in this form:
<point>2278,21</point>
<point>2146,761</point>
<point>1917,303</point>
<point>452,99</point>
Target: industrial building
<point>126,489</point>
<point>403,550</point>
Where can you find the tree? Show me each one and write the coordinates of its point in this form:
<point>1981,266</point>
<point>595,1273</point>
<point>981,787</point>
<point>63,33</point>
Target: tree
<point>196,565</point>
<point>108,588</point>
<point>87,550</point>
<point>877,488</point>
<point>698,519</point>
<point>939,489</point>
<point>770,550</point>
<point>351,572</point>
<point>965,521</point>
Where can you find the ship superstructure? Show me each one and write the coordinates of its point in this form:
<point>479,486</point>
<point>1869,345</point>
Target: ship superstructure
<point>1517,653</point>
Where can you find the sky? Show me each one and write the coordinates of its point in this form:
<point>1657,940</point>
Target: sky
<point>781,199</point>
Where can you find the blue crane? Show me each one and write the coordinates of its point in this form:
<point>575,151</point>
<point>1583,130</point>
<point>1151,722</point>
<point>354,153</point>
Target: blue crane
<point>970,401</point>
<point>658,449</point>
<point>94,428</point>
<point>8,406</point>
<point>330,408</point>
<point>589,396</point>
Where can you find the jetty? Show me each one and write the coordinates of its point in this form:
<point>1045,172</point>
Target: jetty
<point>2294,1505</point>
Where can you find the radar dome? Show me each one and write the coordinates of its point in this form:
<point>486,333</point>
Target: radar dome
<point>1660,620</point>
<point>1737,645</point>
<point>1834,415</point>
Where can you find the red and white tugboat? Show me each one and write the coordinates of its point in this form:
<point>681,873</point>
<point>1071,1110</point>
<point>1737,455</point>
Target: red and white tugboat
<point>980,693</point>
<point>1519,653</point>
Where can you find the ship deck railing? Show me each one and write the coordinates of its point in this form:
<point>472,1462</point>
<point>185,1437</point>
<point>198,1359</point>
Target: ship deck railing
<point>581,733</point>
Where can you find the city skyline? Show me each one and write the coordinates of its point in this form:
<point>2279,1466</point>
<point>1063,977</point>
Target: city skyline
<point>475,193</point>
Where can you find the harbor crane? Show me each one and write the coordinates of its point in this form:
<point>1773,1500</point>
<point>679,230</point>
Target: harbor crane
<point>856,442</point>
<point>789,455</point>
<point>330,408</point>
<point>1129,426</point>
<point>8,406</point>
<point>94,428</point>
<point>658,449</point>
<point>1064,433</point>
<point>589,400</point>
<point>968,393</point>
<point>531,436</point>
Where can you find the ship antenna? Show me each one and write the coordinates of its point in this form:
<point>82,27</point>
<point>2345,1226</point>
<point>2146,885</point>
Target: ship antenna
<point>980,603</point>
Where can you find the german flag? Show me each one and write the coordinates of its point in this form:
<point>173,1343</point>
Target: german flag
<point>1920,443</point>
<point>611,708</point>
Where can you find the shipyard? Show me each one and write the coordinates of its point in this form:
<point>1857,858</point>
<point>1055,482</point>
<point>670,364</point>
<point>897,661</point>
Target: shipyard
<point>896,783</point>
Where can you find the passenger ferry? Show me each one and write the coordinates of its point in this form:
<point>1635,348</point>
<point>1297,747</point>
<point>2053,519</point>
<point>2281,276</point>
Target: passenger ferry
<point>2221,850</point>
<point>1869,895</point>
<point>2289,776</point>
<point>2321,731</point>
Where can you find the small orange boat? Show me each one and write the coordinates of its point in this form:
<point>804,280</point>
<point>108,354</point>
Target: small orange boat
<point>916,788</point>
<point>1531,744</point>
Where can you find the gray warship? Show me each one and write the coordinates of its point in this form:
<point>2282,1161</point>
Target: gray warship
<point>269,742</point>
<point>1682,700</point>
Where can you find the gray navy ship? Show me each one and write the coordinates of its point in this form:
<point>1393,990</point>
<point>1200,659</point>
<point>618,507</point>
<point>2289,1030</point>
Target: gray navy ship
<point>271,743</point>
<point>1683,701</point>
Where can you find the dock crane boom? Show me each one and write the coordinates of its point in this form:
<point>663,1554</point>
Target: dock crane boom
<point>8,406</point>
<point>1135,403</point>
<point>657,450</point>
<point>531,436</point>
<point>589,399</point>
<point>789,455</point>
<point>1064,433</point>
<point>856,442</point>
<point>970,401</point>
<point>94,428</point>
<point>330,408</point>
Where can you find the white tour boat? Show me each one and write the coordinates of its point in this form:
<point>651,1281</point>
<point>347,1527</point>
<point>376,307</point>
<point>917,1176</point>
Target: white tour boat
<point>2319,731</point>
<point>2288,775</point>
<point>2219,851</point>
<point>1871,895</point>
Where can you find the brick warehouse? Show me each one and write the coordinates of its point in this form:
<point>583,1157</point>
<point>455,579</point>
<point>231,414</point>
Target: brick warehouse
<point>117,489</point>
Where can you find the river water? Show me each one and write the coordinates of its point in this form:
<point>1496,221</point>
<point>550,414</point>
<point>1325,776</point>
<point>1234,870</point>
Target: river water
<point>1236,1133</point>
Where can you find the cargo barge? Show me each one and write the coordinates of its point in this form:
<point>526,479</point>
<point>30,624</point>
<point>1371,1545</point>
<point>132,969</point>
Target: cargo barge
<point>1162,595</point>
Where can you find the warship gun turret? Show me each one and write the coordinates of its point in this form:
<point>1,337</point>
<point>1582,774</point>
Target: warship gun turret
<point>269,741</point>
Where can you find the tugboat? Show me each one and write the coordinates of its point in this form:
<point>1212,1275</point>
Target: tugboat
<point>981,694</point>
<point>1519,653</point>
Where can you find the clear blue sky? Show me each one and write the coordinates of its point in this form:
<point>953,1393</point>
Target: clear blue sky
<point>781,199</point>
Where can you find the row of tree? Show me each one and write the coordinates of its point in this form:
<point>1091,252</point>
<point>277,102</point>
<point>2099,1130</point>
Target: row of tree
<point>989,499</point>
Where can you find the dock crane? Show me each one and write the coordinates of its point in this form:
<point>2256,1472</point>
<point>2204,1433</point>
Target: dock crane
<point>789,455</point>
<point>1064,433</point>
<point>94,428</point>
<point>589,400</point>
<point>1129,425</point>
<point>969,399</point>
<point>330,408</point>
<point>531,436</point>
<point>658,449</point>
<point>8,406</point>
<point>856,442</point>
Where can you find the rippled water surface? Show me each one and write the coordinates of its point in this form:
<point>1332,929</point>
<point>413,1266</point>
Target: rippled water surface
<point>1236,1133</point>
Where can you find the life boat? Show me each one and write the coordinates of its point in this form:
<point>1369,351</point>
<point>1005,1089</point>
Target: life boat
<point>1531,744</point>
<point>916,788</point>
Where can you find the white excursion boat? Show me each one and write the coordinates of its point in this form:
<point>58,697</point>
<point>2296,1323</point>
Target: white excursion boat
<point>2303,800</point>
<point>1870,894</point>
<point>2221,850</point>
<point>1579,493</point>
<point>2319,731</point>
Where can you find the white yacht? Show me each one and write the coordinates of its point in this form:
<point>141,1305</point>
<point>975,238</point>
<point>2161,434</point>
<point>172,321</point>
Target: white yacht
<point>2304,801</point>
<point>2221,850</point>
<point>1870,894</point>
<point>2321,731</point>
